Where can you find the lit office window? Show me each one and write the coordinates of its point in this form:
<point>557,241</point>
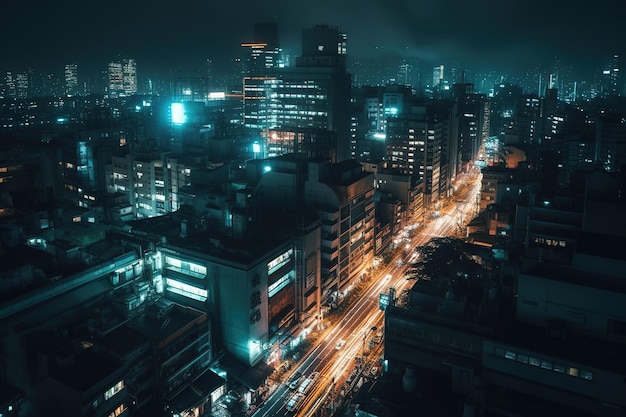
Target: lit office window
<point>114,390</point>
<point>186,290</point>
<point>278,285</point>
<point>118,411</point>
<point>279,261</point>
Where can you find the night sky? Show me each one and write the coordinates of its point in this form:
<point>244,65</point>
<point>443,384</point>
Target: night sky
<point>160,34</point>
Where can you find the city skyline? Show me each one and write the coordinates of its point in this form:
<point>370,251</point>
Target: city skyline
<point>162,36</point>
<point>317,236</point>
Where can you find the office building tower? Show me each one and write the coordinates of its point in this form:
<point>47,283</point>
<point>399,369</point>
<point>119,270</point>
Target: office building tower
<point>80,160</point>
<point>472,121</point>
<point>526,127</point>
<point>305,108</point>
<point>235,75</point>
<point>208,71</point>
<point>414,145</point>
<point>503,106</point>
<point>610,85</point>
<point>129,76</point>
<point>373,107</point>
<point>264,50</point>
<point>406,74</point>
<point>438,76</point>
<point>115,76</point>
<point>9,82</point>
<point>21,85</point>
<point>323,46</point>
<point>610,147</point>
<point>71,79</point>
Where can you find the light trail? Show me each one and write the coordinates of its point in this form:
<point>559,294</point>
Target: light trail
<point>355,327</point>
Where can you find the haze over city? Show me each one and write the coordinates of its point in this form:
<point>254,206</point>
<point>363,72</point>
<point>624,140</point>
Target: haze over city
<point>163,35</point>
<point>322,209</point>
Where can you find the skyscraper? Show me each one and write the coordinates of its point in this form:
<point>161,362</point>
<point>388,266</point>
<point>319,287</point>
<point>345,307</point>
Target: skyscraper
<point>406,74</point>
<point>115,79</point>
<point>71,79</point>
<point>437,75</point>
<point>611,78</point>
<point>9,82</point>
<point>305,108</point>
<point>129,76</point>
<point>122,77</point>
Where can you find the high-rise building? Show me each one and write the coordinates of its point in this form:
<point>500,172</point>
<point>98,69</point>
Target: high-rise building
<point>307,107</point>
<point>611,78</point>
<point>129,76</point>
<point>115,75</point>
<point>264,50</point>
<point>122,78</point>
<point>470,112</point>
<point>414,144</point>
<point>71,79</point>
<point>21,84</point>
<point>406,74</point>
<point>610,148</point>
<point>9,82</point>
<point>437,75</point>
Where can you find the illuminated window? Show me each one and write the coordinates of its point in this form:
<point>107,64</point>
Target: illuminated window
<point>186,290</point>
<point>510,355</point>
<point>279,261</point>
<point>118,411</point>
<point>172,261</point>
<point>199,269</point>
<point>114,390</point>
<point>275,287</point>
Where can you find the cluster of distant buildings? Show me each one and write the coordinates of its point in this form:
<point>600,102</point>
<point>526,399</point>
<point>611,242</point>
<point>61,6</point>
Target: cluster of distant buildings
<point>119,79</point>
<point>177,246</point>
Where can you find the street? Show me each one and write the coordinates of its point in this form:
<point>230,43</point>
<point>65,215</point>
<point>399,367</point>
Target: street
<point>347,354</point>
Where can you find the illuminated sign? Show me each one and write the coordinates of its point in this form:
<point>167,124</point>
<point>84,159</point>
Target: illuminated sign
<point>220,95</point>
<point>279,261</point>
<point>380,136</point>
<point>178,113</point>
<point>383,301</point>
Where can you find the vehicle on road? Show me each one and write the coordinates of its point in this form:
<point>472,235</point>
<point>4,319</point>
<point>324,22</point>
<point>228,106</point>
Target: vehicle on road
<point>294,402</point>
<point>340,344</point>
<point>294,380</point>
<point>308,383</point>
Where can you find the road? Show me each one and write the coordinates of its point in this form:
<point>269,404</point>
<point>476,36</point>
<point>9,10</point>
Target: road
<point>363,320</point>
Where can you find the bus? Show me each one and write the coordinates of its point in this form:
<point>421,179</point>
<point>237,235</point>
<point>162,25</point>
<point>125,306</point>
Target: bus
<point>306,385</point>
<point>294,402</point>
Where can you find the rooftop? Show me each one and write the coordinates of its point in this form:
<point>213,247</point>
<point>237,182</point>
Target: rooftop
<point>101,370</point>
